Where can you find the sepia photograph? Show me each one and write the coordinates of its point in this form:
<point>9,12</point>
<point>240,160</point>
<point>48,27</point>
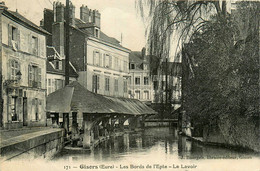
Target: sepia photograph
<point>115,85</point>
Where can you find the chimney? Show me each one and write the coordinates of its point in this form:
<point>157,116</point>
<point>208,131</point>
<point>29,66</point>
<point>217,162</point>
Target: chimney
<point>72,14</point>
<point>2,6</point>
<point>90,16</point>
<point>58,30</point>
<point>96,18</point>
<point>143,53</point>
<point>58,9</point>
<point>84,13</point>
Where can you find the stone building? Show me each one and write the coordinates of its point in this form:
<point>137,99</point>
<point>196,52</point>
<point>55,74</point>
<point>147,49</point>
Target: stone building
<point>140,80</point>
<point>100,60</point>
<point>23,68</point>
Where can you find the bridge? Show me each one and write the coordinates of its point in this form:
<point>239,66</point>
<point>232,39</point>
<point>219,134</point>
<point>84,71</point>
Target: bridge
<point>87,116</point>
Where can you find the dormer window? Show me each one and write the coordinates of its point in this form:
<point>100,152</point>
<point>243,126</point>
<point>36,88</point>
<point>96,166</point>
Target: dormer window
<point>145,66</point>
<point>132,66</point>
<point>14,34</point>
<point>96,33</point>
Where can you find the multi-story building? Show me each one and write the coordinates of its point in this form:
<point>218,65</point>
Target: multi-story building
<point>100,60</point>
<point>23,68</point>
<point>171,70</point>
<point>56,71</point>
<point>140,80</point>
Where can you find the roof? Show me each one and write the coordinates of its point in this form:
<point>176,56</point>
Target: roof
<point>82,25</point>
<point>51,70</point>
<point>78,97</point>
<point>136,57</point>
<point>24,20</point>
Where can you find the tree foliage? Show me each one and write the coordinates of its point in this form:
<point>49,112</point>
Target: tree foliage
<point>220,54</point>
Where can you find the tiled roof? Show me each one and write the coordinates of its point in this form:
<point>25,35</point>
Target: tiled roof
<point>78,97</point>
<point>24,20</point>
<point>52,70</point>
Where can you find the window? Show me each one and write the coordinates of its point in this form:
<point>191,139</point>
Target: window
<point>132,66</point>
<point>49,86</point>
<point>145,66</point>
<point>125,66</point>
<point>125,86</point>
<point>146,81</point>
<point>58,64</point>
<point>137,94</point>
<point>34,76</point>
<point>155,85</point>
<point>15,67</point>
<point>116,85</point>
<point>95,83</point>
<point>146,95</point>
<point>116,63</point>
<point>14,34</point>
<point>107,60</point>
<point>97,58</point>
<point>13,108</point>
<point>34,45</point>
<point>137,80</point>
<point>107,84</point>
<point>96,32</point>
<point>58,84</point>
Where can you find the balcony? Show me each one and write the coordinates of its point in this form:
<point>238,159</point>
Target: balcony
<point>11,84</point>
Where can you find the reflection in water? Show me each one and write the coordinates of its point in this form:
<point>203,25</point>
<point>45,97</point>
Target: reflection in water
<point>154,143</point>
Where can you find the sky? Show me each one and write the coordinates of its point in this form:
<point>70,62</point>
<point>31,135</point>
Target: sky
<point>117,17</point>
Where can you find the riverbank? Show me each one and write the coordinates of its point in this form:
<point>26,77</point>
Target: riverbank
<point>201,141</point>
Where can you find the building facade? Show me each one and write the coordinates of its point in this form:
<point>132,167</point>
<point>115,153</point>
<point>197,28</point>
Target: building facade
<point>171,71</point>
<point>23,68</point>
<point>140,79</point>
<point>100,60</point>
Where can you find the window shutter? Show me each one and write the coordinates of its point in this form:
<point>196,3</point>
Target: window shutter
<point>110,61</point>
<point>39,77</point>
<point>104,60</point>
<point>94,58</point>
<point>29,43</point>
<point>18,39</point>
<point>29,75</point>
<point>9,35</point>
<point>100,59</point>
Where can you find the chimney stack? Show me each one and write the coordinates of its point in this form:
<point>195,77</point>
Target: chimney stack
<point>58,30</point>
<point>143,53</point>
<point>72,14</point>
<point>2,6</point>
<point>58,9</point>
<point>96,18</point>
<point>84,13</point>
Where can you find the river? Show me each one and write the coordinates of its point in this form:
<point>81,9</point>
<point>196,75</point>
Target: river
<point>158,148</point>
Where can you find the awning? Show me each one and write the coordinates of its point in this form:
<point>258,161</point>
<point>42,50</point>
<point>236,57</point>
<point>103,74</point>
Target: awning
<point>75,97</point>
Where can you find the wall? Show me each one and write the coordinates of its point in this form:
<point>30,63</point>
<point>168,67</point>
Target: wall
<point>40,146</point>
<point>25,56</point>
<point>113,72</point>
<point>141,74</point>
<point>51,85</point>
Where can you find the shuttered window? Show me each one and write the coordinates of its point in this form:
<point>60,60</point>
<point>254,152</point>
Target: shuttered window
<point>34,76</point>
